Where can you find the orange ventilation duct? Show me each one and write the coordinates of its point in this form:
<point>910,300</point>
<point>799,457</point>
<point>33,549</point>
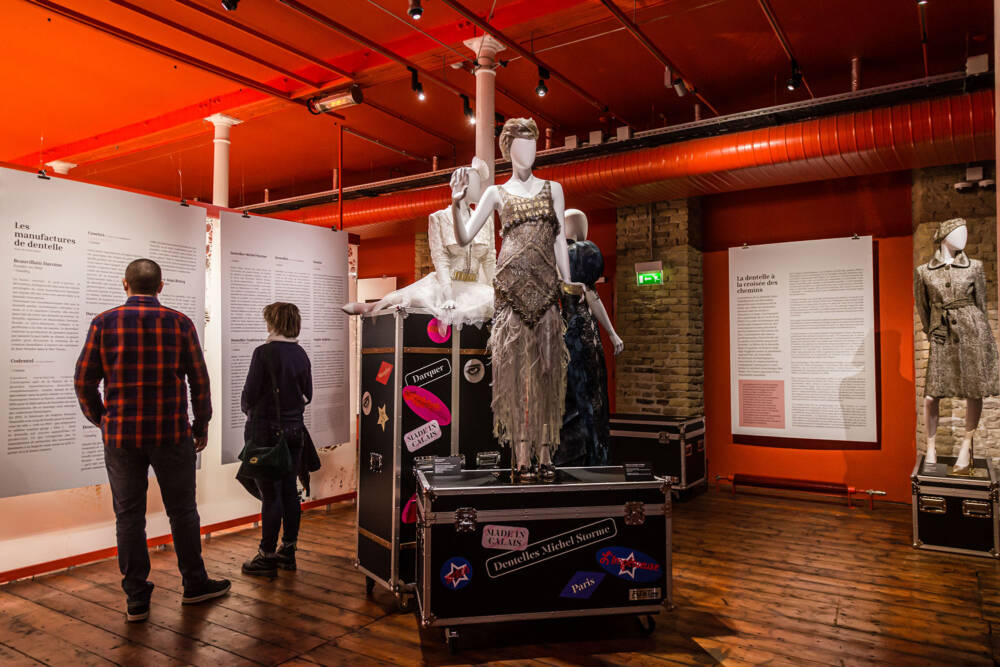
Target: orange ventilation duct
<point>946,130</point>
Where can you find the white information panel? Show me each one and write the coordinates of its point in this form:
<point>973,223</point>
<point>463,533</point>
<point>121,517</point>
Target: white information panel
<point>265,260</point>
<point>802,341</point>
<point>66,245</point>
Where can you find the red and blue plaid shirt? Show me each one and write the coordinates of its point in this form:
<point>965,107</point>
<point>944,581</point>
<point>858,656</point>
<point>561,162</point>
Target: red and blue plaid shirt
<point>142,352</point>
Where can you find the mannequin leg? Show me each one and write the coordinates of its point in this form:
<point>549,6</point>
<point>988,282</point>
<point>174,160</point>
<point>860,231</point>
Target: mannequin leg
<point>356,308</point>
<point>546,469</point>
<point>931,405</point>
<point>973,411</point>
<point>522,461</point>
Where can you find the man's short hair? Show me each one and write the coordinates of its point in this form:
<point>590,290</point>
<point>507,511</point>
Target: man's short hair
<point>283,319</point>
<point>144,276</point>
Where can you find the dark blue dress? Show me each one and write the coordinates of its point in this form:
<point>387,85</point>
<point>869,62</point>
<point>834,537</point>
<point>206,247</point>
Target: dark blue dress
<point>585,432</point>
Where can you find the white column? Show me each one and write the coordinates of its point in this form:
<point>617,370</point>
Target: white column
<point>486,48</point>
<point>60,166</point>
<point>220,174</point>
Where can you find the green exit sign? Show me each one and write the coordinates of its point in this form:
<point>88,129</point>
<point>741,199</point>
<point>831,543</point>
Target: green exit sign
<point>650,278</point>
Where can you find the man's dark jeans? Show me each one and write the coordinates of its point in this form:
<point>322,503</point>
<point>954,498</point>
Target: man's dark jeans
<point>128,473</point>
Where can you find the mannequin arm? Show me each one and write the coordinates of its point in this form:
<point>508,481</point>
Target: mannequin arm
<point>490,260</point>
<point>468,224</point>
<point>560,247</point>
<point>439,255</point>
<point>601,315</point>
<point>980,290</point>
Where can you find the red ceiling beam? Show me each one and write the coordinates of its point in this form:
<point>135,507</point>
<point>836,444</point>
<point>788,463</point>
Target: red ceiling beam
<point>765,7</point>
<point>529,56</point>
<point>409,121</point>
<point>319,62</point>
<point>655,50</point>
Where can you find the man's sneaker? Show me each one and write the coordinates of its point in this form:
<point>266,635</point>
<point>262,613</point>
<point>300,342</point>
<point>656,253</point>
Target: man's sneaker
<point>261,566</point>
<point>285,557</point>
<point>137,611</point>
<point>211,589</point>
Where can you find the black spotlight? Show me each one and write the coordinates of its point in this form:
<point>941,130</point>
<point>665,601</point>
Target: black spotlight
<point>230,5</point>
<point>415,11</point>
<point>467,110</point>
<point>541,89</point>
<point>415,84</point>
<point>795,80</point>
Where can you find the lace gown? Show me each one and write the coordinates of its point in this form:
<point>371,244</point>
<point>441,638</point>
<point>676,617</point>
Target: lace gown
<point>526,343</point>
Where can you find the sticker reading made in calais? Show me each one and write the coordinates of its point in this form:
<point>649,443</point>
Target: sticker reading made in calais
<point>551,547</point>
<point>629,564</point>
<point>426,405</point>
<point>384,372</point>
<point>456,573</point>
<point>507,538</point>
<point>422,436</point>
<point>582,585</point>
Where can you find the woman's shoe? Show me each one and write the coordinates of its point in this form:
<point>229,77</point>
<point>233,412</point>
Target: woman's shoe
<point>526,475</point>
<point>261,566</point>
<point>547,472</point>
<point>284,558</point>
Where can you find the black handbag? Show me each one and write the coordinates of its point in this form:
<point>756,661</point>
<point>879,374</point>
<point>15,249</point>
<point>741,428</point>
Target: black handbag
<point>265,454</point>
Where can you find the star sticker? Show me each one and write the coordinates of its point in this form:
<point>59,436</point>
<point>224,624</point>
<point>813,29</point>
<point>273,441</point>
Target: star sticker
<point>458,574</point>
<point>382,417</point>
<point>627,564</point>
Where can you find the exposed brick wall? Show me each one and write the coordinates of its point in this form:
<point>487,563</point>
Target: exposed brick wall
<point>422,264</point>
<point>935,200</point>
<point>661,370</point>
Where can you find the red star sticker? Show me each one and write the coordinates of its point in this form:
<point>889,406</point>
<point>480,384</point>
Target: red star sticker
<point>458,574</point>
<point>629,563</point>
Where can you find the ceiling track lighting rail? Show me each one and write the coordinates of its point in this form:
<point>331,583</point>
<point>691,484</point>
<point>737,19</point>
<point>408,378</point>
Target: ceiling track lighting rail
<point>765,7</point>
<point>284,46</point>
<point>646,42</point>
<point>528,55</point>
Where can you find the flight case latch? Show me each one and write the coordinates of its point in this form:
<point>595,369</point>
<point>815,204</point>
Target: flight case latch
<point>465,520</point>
<point>635,513</point>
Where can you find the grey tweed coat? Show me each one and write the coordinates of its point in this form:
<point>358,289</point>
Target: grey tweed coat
<point>951,301</point>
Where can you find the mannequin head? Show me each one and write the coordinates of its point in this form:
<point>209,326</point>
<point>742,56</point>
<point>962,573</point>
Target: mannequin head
<point>952,234</point>
<point>523,133</point>
<point>576,224</point>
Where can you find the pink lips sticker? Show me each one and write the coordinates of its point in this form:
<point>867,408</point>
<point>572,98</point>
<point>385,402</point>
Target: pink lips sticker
<point>434,334</point>
<point>426,405</point>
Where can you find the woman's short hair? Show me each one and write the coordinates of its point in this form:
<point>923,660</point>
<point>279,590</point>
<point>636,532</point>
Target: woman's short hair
<point>516,128</point>
<point>283,319</point>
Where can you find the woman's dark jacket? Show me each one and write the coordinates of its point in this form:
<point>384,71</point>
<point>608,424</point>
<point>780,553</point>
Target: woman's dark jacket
<point>293,373</point>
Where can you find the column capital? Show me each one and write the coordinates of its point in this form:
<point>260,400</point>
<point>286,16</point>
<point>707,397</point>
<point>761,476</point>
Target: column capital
<point>61,166</point>
<point>222,120</point>
<point>485,46</point>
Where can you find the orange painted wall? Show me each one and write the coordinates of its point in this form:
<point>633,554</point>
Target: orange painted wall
<point>387,256</point>
<point>877,205</point>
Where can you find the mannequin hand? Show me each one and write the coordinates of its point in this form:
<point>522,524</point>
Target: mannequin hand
<point>579,288</point>
<point>459,184</point>
<point>617,344</point>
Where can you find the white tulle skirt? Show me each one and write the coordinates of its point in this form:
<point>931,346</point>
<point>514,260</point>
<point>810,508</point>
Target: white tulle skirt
<point>473,300</point>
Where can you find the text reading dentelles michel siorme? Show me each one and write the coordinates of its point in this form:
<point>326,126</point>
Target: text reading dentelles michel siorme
<point>28,239</point>
<point>755,283</point>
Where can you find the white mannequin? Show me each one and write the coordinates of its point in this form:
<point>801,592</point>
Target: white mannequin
<point>950,245</point>
<point>576,229</point>
<point>522,183</point>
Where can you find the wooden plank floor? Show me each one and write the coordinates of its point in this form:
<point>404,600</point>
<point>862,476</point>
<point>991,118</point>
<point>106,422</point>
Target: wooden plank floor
<point>759,579</point>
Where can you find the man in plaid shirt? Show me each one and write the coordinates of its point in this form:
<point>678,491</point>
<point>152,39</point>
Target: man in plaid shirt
<point>143,352</point>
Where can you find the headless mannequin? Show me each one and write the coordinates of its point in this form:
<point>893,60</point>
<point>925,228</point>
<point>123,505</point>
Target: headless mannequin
<point>522,183</point>
<point>576,229</point>
<point>954,242</point>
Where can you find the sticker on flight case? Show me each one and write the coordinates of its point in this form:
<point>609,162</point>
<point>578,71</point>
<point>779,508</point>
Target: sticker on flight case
<point>456,573</point>
<point>506,538</point>
<point>642,594</point>
<point>383,418</point>
<point>366,403</point>
<point>434,333</point>
<point>422,436</point>
<point>435,371</point>
<point>582,585</point>
<point>426,405</point>
<point>384,373</point>
<point>551,547</point>
<point>629,564</point>
<point>474,371</point>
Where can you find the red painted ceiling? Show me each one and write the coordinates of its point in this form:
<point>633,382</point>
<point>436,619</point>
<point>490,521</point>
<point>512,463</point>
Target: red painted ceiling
<point>132,118</point>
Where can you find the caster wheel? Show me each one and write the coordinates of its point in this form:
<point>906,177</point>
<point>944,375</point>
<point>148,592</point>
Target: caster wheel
<point>647,627</point>
<point>451,636</point>
<point>405,603</point>
<point>369,585</point>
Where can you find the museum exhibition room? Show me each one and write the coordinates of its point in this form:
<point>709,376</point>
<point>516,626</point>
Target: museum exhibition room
<point>514,332</point>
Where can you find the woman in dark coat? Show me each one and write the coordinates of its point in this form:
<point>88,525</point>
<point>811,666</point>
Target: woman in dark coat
<point>282,359</point>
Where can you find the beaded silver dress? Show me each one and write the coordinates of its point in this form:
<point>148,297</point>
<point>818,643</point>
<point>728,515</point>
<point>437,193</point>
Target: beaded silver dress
<point>527,345</point>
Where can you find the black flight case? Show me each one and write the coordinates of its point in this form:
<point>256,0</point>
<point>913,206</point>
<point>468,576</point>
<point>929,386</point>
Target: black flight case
<point>589,544</point>
<point>416,386</point>
<point>675,446</point>
<point>955,514</point>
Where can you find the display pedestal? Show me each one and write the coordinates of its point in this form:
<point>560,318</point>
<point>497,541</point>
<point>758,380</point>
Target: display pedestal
<point>589,544</point>
<point>955,514</point>
<point>422,394</point>
<point>674,445</point>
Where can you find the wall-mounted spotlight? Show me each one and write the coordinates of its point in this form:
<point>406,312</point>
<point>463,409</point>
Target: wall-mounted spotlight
<point>415,84</point>
<point>415,11</point>
<point>795,80</point>
<point>230,5</point>
<point>467,110</point>
<point>342,100</point>
<point>921,2</point>
<point>541,89</point>
<point>679,87</point>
